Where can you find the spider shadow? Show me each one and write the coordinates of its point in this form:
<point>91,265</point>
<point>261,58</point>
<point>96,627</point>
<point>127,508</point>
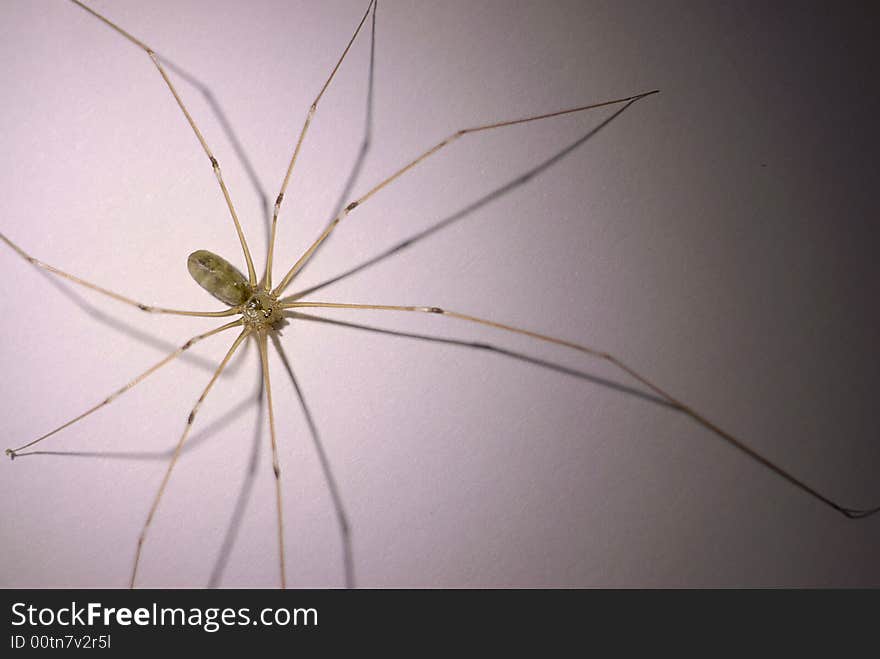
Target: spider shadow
<point>244,493</point>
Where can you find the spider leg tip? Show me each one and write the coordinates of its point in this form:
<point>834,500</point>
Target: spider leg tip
<point>11,453</point>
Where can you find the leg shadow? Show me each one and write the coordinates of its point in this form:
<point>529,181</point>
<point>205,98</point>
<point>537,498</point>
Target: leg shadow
<point>244,493</point>
<point>464,212</point>
<point>341,517</point>
<point>504,352</point>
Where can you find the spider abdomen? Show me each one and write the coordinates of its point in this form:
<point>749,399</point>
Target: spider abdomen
<point>219,277</point>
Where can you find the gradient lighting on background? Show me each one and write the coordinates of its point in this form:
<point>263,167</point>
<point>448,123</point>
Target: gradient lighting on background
<point>718,236</point>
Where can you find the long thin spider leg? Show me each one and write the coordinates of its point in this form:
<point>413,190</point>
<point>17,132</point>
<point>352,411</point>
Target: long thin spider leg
<point>116,296</point>
<point>366,141</point>
<point>852,513</point>
<point>267,276</point>
<point>421,158</point>
<point>339,507</point>
<point>276,466</point>
<point>231,135</point>
<point>112,321</point>
<point>465,211</point>
<point>189,422</point>
<point>252,275</point>
<point>140,378</point>
<point>197,439</point>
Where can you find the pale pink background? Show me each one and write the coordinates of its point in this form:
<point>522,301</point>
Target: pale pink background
<point>718,237</point>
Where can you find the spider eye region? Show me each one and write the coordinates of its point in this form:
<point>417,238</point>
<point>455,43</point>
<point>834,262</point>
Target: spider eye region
<point>262,311</point>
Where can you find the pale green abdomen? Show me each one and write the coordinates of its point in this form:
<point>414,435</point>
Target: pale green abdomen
<point>219,277</point>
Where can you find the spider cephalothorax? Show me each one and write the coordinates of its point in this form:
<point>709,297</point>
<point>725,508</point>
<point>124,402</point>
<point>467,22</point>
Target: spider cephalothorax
<point>262,311</point>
